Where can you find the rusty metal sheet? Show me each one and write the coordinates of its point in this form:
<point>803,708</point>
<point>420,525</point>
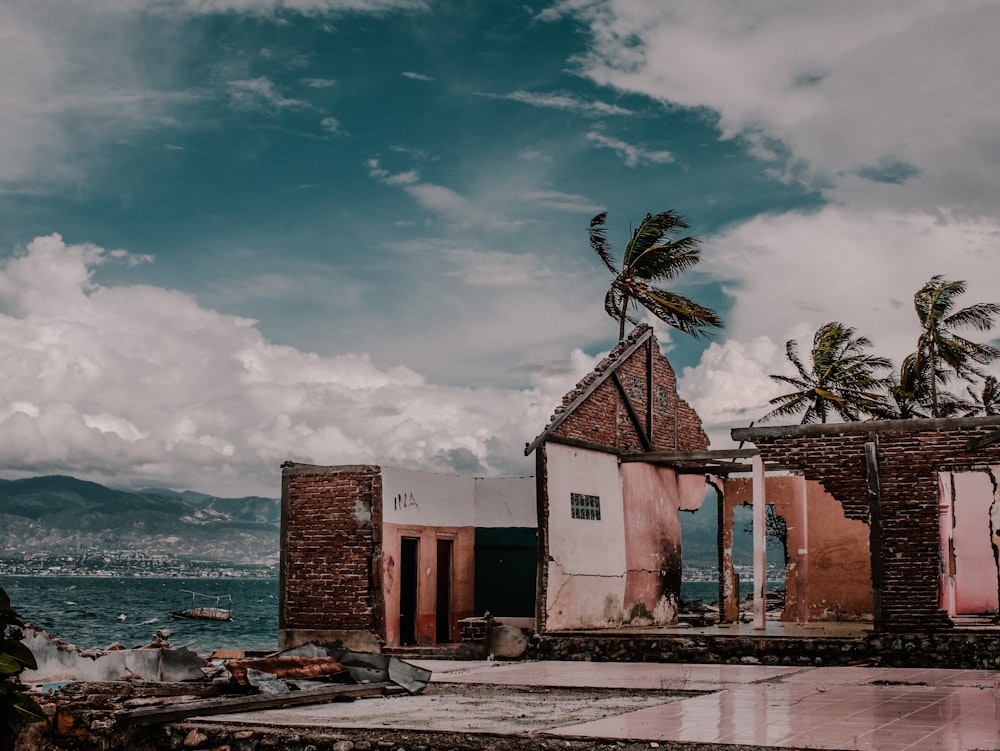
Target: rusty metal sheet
<point>290,668</point>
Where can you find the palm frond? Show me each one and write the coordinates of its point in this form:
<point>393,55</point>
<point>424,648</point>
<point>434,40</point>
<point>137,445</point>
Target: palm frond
<point>978,316</point>
<point>599,242</point>
<point>676,310</point>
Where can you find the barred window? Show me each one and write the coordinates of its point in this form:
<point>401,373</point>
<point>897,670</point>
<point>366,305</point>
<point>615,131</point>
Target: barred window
<point>585,506</point>
<point>635,387</point>
<point>662,397</point>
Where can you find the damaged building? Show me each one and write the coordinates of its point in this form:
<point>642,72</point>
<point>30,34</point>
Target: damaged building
<point>378,555</point>
<point>888,525</point>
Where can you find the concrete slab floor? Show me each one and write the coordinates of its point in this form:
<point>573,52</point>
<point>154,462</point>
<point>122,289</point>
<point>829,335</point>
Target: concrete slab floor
<point>872,709</point>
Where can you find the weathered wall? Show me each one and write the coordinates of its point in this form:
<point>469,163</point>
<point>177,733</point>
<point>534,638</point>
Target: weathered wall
<point>429,507</point>
<point>586,557</point>
<point>331,550</point>
<point>652,496</point>
<point>505,502</point>
<point>462,575</point>
<point>905,522</point>
<point>624,568</point>
<point>828,572</point>
<point>342,532</point>
<point>603,419</point>
<point>427,499</point>
<point>972,559</point>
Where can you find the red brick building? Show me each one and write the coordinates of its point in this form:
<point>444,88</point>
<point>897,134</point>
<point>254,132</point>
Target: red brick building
<point>376,555</point>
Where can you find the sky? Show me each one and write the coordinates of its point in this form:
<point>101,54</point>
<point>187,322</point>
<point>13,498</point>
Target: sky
<point>235,233</point>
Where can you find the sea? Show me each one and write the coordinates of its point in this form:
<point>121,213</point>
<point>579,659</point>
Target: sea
<point>96,612</point>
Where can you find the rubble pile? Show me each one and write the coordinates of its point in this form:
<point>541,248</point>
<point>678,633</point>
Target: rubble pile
<point>106,700</point>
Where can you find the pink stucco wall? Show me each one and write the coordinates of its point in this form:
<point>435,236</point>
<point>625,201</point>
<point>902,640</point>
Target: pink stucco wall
<point>974,558</point>
<point>651,498</point>
<point>828,572</point>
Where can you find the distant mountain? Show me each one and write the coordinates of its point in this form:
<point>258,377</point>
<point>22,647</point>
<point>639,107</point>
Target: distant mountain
<point>58,514</point>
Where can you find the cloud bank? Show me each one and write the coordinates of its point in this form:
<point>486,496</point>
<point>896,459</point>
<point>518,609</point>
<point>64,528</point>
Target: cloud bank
<point>141,386</point>
<point>886,111</point>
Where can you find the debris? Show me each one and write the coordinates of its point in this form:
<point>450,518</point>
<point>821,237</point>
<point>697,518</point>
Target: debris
<point>59,661</point>
<point>227,704</point>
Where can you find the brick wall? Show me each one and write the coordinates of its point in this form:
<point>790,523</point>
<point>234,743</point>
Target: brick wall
<point>331,548</point>
<point>906,555</point>
<point>603,418</point>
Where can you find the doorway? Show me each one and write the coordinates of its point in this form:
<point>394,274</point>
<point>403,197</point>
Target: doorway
<point>408,568</point>
<point>969,581</point>
<point>442,605</point>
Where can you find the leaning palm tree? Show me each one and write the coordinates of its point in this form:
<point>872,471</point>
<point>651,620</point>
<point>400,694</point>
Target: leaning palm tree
<point>939,349</point>
<point>841,378</point>
<point>656,253</point>
<point>910,396</point>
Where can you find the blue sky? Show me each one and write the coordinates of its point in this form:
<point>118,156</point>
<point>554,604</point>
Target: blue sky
<point>236,232</point>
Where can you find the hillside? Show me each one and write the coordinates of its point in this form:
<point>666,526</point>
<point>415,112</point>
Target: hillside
<point>57,515</point>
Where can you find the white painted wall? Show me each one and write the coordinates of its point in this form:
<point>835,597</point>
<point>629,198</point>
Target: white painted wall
<point>586,581</point>
<point>423,498</point>
<point>506,502</point>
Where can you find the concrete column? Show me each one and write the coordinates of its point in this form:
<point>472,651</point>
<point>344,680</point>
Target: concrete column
<point>802,556</point>
<point>759,546</point>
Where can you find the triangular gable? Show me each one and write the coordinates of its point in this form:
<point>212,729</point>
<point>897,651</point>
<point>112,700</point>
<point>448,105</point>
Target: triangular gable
<point>627,404</point>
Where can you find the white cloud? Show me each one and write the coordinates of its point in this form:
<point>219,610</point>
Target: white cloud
<point>630,154</point>
<point>416,76</point>
<point>142,386</point>
<point>569,202</point>
<point>331,125</point>
<point>562,101</point>
<point>886,110</point>
<point>319,83</point>
<point>860,268</point>
<point>76,79</point>
<point>498,268</point>
<point>731,386</point>
<point>439,199</point>
<point>533,155</point>
<point>297,6</point>
<point>893,103</point>
<point>261,93</point>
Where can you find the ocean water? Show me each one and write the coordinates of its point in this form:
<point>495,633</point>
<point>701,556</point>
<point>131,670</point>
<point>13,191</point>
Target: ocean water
<point>85,610</point>
<point>708,591</point>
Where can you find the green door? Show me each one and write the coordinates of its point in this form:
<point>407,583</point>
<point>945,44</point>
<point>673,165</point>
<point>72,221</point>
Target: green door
<point>506,563</point>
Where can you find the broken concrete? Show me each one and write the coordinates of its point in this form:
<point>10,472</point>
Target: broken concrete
<point>59,661</point>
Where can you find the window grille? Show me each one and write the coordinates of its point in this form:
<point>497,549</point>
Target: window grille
<point>635,387</point>
<point>662,398</point>
<point>585,506</point>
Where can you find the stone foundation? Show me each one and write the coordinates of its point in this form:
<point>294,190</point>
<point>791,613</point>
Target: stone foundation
<point>953,649</point>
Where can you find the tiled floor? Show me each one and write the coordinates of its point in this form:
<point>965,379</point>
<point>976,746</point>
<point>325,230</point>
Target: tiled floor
<point>880,709</point>
<point>872,709</point>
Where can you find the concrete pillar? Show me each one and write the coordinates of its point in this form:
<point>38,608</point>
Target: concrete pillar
<point>759,546</point>
<point>802,556</point>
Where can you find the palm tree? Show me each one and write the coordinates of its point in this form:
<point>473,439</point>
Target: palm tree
<point>910,395</point>
<point>842,377</point>
<point>939,349</point>
<point>987,401</point>
<point>655,253</point>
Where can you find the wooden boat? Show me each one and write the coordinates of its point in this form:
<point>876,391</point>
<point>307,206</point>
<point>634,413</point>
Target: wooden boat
<point>200,607</point>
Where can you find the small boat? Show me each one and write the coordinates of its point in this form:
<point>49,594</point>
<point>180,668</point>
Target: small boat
<point>207,607</point>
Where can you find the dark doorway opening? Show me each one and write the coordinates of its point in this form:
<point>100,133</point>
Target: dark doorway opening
<point>442,610</point>
<point>408,591</point>
<point>506,564</point>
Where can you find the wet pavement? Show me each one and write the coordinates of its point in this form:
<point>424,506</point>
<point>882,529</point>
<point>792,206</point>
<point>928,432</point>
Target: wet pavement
<point>877,709</point>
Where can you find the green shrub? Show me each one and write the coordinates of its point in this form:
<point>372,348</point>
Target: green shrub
<point>17,709</point>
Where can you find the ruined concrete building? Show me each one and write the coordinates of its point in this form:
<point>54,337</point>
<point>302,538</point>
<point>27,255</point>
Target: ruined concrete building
<point>888,523</point>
